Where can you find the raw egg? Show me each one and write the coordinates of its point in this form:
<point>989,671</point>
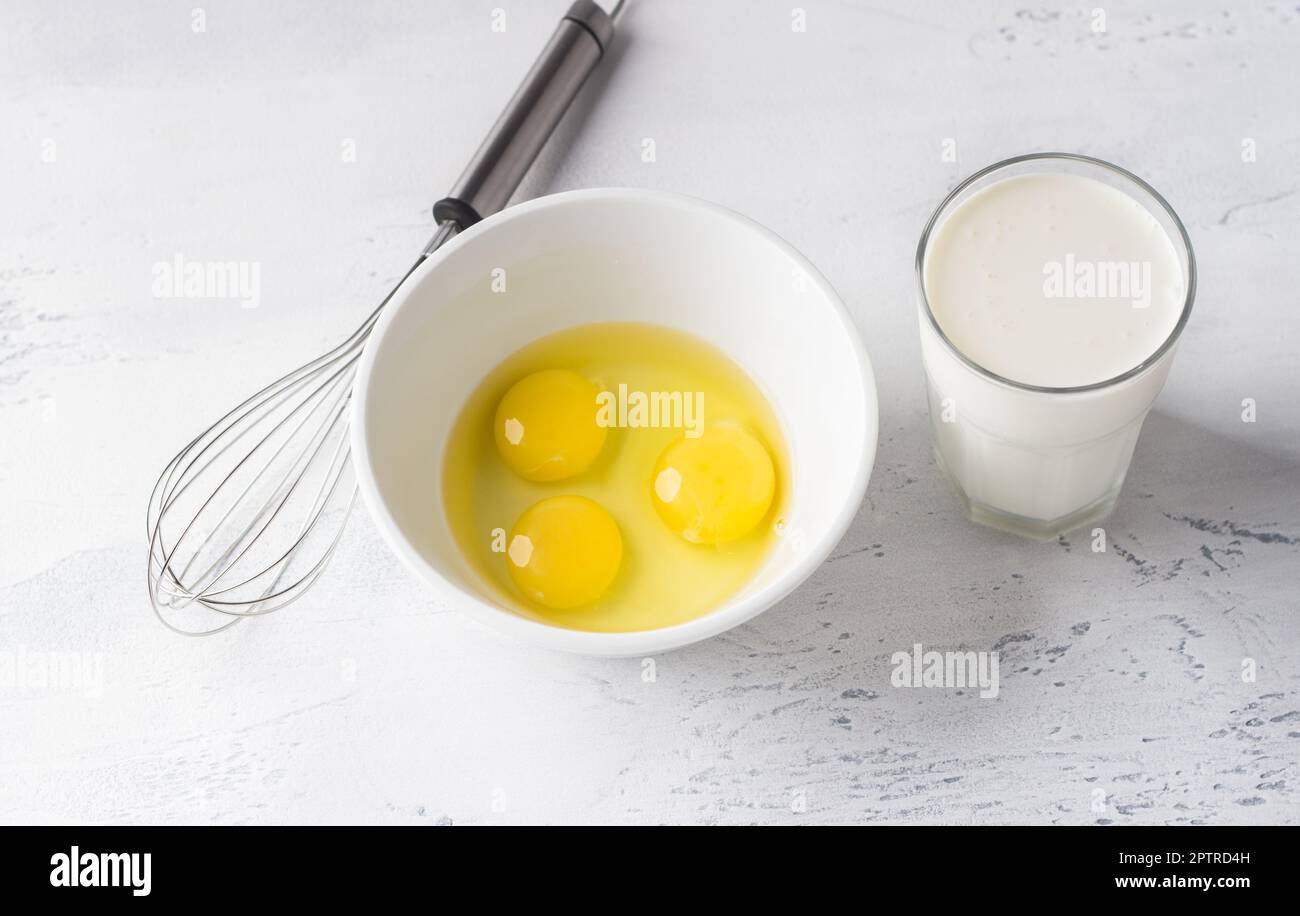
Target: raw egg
<point>563,525</point>
<point>564,552</point>
<point>546,427</point>
<point>715,488</point>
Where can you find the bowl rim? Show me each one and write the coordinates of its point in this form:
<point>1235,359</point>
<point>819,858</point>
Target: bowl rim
<point>640,642</point>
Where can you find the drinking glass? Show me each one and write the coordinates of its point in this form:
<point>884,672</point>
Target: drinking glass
<point>1034,460</point>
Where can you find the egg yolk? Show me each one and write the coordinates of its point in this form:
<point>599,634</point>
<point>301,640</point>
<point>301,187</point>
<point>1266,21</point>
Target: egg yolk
<point>715,488</point>
<point>564,552</point>
<point>545,426</point>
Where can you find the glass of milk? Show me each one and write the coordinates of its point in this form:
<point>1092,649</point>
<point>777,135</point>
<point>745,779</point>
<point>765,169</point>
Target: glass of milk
<point>1052,289</point>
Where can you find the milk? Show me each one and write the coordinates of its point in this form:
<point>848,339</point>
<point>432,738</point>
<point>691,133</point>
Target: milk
<point>1047,281</point>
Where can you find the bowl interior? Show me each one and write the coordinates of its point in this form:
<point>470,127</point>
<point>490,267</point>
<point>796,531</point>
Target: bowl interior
<point>594,256</point>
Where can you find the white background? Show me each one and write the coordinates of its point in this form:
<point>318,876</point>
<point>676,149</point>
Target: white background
<point>1122,697</point>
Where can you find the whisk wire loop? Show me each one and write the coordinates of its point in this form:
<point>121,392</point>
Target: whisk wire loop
<point>243,520</point>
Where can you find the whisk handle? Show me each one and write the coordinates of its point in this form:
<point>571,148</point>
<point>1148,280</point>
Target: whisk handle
<point>528,120</point>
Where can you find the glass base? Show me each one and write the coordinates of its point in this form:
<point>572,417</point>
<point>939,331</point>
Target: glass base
<point>1035,528</point>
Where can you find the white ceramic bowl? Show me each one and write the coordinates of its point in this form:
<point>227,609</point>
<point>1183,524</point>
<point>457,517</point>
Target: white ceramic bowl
<point>612,255</point>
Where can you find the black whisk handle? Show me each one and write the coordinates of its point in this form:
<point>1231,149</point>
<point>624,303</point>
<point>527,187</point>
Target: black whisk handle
<point>531,116</point>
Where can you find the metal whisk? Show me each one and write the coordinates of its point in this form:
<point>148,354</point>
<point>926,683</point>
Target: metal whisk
<point>245,518</point>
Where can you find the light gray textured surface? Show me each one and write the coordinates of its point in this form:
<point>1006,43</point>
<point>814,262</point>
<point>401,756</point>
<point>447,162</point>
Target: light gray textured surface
<point>1122,697</point>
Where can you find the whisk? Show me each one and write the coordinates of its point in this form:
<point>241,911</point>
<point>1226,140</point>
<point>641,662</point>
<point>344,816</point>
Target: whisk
<point>246,517</point>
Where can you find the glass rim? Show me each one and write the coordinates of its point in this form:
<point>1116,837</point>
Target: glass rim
<point>1165,346</point>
